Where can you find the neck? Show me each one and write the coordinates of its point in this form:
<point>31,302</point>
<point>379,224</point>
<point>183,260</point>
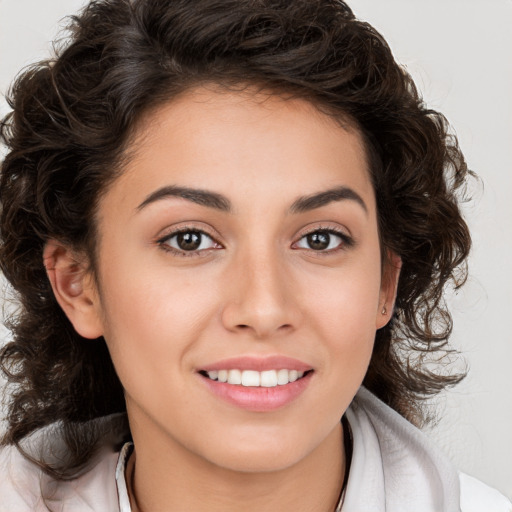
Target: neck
<point>171,482</point>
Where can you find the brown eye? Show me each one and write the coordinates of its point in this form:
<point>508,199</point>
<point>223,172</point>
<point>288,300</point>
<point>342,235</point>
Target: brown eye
<point>324,240</point>
<point>318,241</point>
<point>189,241</point>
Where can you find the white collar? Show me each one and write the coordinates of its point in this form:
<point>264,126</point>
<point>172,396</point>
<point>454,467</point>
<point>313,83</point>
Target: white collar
<point>394,466</point>
<point>122,490</point>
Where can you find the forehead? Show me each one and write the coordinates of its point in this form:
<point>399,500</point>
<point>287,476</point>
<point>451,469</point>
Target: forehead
<point>252,139</point>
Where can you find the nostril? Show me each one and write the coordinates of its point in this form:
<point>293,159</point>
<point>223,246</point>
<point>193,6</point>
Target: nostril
<point>284,327</point>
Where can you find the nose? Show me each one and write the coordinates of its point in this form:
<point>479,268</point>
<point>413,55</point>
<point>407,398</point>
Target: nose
<point>260,297</point>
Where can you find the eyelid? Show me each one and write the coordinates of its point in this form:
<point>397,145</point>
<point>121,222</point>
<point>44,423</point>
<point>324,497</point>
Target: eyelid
<point>325,227</point>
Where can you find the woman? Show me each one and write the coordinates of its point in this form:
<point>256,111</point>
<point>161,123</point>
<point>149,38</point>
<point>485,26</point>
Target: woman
<point>232,221</point>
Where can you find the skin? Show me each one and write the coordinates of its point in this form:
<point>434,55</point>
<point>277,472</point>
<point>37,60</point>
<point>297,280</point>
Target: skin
<point>255,288</point>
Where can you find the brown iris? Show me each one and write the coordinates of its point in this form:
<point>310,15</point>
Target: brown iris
<point>189,240</point>
<point>319,240</point>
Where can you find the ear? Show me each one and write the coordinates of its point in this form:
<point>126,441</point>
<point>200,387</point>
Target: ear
<point>388,288</point>
<point>74,288</point>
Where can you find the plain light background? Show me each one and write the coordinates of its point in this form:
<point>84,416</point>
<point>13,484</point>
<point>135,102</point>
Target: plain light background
<point>459,53</point>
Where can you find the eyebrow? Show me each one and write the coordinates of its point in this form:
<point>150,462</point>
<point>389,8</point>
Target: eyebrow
<point>201,197</point>
<point>307,203</point>
<point>222,203</point>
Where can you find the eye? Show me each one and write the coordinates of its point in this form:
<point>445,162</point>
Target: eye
<point>323,240</point>
<point>190,240</point>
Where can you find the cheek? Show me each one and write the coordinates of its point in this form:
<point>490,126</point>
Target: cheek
<point>153,318</point>
<point>345,301</point>
<point>341,309</point>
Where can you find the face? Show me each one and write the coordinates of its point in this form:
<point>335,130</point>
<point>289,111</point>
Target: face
<point>240,243</point>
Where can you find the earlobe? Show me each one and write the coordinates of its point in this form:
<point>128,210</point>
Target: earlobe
<point>389,286</point>
<point>74,288</point>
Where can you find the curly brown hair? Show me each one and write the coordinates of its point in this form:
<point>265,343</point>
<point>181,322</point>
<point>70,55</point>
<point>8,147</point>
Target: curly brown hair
<point>70,128</point>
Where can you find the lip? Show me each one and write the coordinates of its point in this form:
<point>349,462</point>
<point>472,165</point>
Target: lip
<point>258,399</point>
<point>259,364</point>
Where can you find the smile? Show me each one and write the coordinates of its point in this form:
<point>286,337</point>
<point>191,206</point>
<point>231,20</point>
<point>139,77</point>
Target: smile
<point>253,378</point>
<point>258,385</point>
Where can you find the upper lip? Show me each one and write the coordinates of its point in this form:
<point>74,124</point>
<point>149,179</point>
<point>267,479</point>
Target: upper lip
<point>259,364</point>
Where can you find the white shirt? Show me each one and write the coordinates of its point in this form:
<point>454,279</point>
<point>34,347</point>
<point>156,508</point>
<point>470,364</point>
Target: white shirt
<point>394,468</point>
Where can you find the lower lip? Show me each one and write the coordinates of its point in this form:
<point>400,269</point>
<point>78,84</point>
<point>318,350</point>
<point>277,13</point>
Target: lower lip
<point>259,399</point>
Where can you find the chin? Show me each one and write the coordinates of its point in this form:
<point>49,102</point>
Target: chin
<point>259,454</point>
<point>263,462</point>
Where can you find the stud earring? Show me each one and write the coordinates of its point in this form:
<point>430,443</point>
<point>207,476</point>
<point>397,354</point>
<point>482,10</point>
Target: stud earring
<point>384,310</point>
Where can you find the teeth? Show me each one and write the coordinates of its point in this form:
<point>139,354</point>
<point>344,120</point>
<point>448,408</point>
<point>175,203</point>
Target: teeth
<point>268,379</point>
<point>283,377</point>
<point>234,377</point>
<point>252,378</point>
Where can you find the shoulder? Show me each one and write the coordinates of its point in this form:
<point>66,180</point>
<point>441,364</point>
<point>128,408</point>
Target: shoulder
<point>19,483</point>
<point>475,496</point>
<point>24,487</point>
<point>412,469</point>
<point>405,469</point>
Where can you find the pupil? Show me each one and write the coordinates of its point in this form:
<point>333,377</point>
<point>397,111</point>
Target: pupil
<point>189,241</point>
<point>319,240</point>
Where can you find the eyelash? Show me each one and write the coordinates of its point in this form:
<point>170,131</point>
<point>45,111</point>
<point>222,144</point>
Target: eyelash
<point>346,241</point>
